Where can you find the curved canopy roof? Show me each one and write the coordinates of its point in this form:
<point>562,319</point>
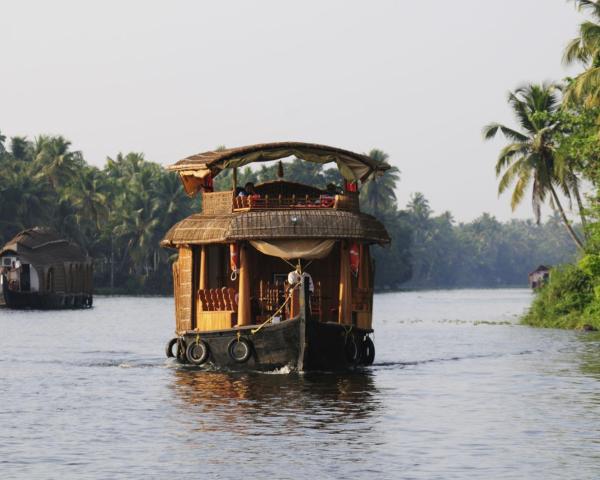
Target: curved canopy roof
<point>42,246</point>
<point>352,166</point>
<point>201,229</point>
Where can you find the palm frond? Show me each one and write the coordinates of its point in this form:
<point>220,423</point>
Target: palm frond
<point>520,188</point>
<point>509,176</point>
<point>585,88</point>
<point>575,51</point>
<point>490,131</point>
<point>508,153</point>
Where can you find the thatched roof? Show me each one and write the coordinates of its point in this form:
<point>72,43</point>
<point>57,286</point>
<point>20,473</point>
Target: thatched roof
<point>278,224</point>
<point>42,246</point>
<point>353,166</point>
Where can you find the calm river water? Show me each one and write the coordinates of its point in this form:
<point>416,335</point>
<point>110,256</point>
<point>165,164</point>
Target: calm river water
<point>458,391</point>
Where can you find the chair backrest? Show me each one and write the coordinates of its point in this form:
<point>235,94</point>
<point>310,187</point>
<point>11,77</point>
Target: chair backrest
<point>218,299</point>
<point>231,297</point>
<point>203,300</point>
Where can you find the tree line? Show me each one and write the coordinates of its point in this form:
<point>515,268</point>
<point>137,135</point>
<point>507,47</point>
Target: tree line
<point>119,214</point>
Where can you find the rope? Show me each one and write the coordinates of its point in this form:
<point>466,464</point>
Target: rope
<point>289,263</point>
<point>256,330</point>
<point>300,261</point>
<point>347,332</point>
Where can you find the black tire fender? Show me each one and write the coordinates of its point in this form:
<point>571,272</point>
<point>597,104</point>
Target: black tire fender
<point>351,349</point>
<point>240,350</point>
<point>197,352</point>
<point>181,349</point>
<point>368,351</point>
<point>169,348</point>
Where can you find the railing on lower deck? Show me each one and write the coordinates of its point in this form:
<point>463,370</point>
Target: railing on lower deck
<point>216,309</point>
<point>225,202</point>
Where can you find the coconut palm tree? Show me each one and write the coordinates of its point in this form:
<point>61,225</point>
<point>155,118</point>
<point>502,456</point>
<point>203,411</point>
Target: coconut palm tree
<point>174,203</point>
<point>378,193</point>
<point>529,158</point>
<point>585,50</point>
<point>55,161</point>
<point>88,197</point>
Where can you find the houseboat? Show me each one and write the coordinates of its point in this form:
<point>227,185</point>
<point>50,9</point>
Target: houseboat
<point>39,269</point>
<point>277,274</point>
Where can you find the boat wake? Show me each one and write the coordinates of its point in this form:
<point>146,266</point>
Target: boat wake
<point>408,363</point>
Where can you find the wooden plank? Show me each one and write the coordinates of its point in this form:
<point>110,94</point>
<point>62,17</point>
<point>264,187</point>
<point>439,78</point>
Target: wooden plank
<point>215,320</point>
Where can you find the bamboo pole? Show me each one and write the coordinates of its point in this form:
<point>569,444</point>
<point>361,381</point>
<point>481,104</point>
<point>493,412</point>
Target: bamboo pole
<point>203,270</point>
<point>345,293</point>
<point>234,178</point>
<point>363,268</point>
<point>244,317</point>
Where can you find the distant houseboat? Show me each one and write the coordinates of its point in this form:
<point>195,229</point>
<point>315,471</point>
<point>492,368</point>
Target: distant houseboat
<point>275,274</point>
<point>39,269</point>
<point>539,276</point>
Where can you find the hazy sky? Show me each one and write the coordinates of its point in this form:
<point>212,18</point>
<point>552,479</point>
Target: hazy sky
<point>417,79</point>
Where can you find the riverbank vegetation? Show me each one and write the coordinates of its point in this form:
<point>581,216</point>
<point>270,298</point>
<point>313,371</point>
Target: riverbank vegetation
<point>553,151</point>
<point>119,214</point>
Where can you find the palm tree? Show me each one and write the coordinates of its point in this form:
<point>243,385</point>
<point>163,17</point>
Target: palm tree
<point>88,197</point>
<point>21,149</point>
<point>529,158</point>
<point>174,203</point>
<point>378,193</point>
<point>585,50</point>
<point>56,161</point>
<point>26,202</point>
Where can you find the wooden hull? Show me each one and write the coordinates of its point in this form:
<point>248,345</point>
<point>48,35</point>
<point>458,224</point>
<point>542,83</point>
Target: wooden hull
<point>296,344</point>
<point>49,301</point>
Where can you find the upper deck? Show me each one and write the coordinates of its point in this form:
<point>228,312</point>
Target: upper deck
<point>226,202</point>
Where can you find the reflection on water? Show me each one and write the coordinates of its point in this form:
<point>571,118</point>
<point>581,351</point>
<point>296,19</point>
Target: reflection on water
<point>458,391</point>
<point>251,402</point>
<point>589,354</point>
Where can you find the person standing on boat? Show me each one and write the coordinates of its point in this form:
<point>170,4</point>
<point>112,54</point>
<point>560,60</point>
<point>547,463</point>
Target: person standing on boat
<point>295,276</point>
<point>294,280</point>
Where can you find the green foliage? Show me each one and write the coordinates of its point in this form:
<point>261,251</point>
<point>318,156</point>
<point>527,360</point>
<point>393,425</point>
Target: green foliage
<point>529,160</point>
<point>118,214</point>
<point>481,253</point>
<point>585,50</point>
<point>569,300</point>
<point>378,194</point>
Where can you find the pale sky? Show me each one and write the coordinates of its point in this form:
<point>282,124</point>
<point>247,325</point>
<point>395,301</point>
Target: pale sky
<point>417,79</point>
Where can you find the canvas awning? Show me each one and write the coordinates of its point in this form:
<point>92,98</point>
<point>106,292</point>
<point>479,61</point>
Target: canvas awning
<point>352,166</point>
<point>306,249</point>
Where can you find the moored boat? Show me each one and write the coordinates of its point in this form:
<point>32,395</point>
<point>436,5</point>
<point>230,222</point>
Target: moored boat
<point>39,269</point>
<point>275,274</point>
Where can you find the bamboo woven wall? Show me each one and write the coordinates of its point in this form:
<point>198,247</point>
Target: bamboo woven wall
<point>176,292</point>
<point>215,203</point>
<point>183,290</point>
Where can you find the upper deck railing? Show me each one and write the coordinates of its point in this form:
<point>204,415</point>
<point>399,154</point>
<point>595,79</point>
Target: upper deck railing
<point>225,202</point>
